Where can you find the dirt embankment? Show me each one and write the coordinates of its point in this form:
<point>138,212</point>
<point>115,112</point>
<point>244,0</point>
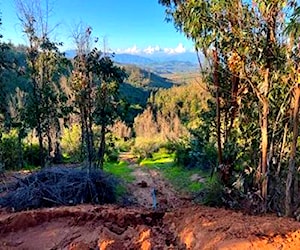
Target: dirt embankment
<point>175,224</point>
<point>110,227</point>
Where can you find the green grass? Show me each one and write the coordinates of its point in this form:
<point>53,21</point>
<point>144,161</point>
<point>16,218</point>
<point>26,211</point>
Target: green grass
<point>29,167</point>
<point>120,170</point>
<point>178,176</point>
<point>163,159</point>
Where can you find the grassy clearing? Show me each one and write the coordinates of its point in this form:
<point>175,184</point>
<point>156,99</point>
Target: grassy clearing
<point>120,170</point>
<point>178,176</point>
<point>159,159</point>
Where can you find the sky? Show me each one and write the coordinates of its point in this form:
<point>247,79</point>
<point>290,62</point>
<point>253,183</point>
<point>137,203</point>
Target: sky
<point>132,26</point>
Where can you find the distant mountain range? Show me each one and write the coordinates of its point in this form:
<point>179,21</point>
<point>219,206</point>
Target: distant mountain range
<point>160,63</point>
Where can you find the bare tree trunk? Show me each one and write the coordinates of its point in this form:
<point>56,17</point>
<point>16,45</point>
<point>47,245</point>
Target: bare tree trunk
<point>101,148</point>
<point>87,140</point>
<point>289,194</point>
<point>264,141</point>
<point>41,148</point>
<point>282,150</point>
<point>49,139</point>
<point>217,86</point>
<point>57,151</point>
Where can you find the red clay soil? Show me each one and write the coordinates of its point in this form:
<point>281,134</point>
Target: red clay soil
<point>176,224</point>
<point>110,227</point>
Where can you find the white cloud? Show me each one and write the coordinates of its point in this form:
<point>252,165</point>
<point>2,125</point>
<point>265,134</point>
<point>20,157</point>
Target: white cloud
<point>179,49</point>
<point>132,50</point>
<point>151,50</point>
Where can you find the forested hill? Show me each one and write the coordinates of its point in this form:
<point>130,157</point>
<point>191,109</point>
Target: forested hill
<point>138,86</point>
<point>146,78</point>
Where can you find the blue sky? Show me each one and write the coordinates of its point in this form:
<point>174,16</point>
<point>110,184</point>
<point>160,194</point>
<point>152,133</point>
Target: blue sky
<point>131,26</point>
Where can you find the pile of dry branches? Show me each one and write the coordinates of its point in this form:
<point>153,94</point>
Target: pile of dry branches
<point>60,186</point>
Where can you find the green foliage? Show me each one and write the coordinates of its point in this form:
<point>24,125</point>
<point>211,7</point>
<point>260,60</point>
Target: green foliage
<point>159,158</point>
<point>124,145</point>
<point>120,170</point>
<point>146,79</point>
<point>10,151</point>
<point>212,194</point>
<point>32,155</point>
<point>186,101</point>
<point>145,147</point>
<point>18,154</point>
<point>71,143</point>
<point>111,151</point>
<point>196,152</point>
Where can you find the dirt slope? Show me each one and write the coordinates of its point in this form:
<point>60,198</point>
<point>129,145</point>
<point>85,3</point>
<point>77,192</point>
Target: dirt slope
<point>175,224</point>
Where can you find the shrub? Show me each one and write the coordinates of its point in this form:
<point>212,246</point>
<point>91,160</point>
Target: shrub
<point>32,154</point>
<point>10,149</point>
<point>145,147</point>
<point>194,152</point>
<point>71,143</point>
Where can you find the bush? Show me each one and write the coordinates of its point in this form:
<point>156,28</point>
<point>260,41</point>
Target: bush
<point>144,147</point>
<point>111,154</point>
<point>212,194</point>
<point>194,152</point>
<point>32,155</point>
<point>11,151</point>
<point>71,143</point>
<point>124,145</point>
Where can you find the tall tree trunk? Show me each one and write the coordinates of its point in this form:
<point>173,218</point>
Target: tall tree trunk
<point>264,140</point>
<point>217,86</point>
<point>264,152</point>
<point>234,105</point>
<point>292,162</point>
<point>101,148</point>
<point>49,139</point>
<point>41,147</point>
<point>57,151</point>
<point>87,140</point>
<point>282,150</point>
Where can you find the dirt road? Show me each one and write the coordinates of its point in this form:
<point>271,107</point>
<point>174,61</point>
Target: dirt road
<point>175,223</point>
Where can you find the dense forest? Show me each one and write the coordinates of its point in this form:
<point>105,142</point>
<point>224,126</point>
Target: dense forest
<point>236,119</point>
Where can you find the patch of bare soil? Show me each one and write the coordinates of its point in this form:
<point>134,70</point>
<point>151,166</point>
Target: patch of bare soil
<point>150,190</point>
<point>174,224</point>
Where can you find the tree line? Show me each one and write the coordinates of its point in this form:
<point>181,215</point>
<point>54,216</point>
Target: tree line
<point>58,91</point>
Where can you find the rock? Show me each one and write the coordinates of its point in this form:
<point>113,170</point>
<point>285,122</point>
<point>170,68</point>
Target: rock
<point>143,184</point>
<point>198,178</point>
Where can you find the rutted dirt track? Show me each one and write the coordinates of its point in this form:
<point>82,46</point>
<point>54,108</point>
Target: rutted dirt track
<point>175,224</point>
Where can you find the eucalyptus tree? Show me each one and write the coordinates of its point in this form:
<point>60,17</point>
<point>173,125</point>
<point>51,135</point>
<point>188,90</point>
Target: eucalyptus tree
<point>108,104</point>
<point>84,90</point>
<point>95,83</point>
<point>293,31</point>
<point>44,67</point>
<point>243,40</point>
